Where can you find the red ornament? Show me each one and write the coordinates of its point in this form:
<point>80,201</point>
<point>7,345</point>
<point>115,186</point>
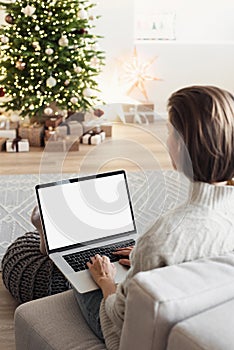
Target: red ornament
<point>98,113</point>
<point>9,19</point>
<point>81,31</point>
<point>2,92</point>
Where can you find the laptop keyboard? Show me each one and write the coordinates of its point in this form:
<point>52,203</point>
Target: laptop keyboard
<point>78,260</point>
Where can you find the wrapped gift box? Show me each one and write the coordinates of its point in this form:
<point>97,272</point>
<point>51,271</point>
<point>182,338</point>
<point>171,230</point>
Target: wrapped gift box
<point>95,126</point>
<point>93,138</point>
<point>70,128</point>
<point>139,113</point>
<point>17,145</point>
<point>54,121</point>
<point>34,134</point>
<point>3,144</point>
<point>107,128</point>
<point>75,116</point>
<point>65,144</point>
<point>11,134</point>
<point>8,125</point>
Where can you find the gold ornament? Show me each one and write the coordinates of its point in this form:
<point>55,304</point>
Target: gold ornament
<point>51,82</point>
<point>20,65</point>
<point>63,41</point>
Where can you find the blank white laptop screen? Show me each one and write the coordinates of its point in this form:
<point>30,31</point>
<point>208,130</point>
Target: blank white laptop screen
<point>82,211</point>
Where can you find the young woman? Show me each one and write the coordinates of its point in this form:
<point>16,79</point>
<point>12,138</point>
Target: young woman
<point>203,117</point>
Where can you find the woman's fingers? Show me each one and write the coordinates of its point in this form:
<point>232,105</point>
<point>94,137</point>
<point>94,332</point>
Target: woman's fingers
<point>125,262</point>
<point>123,251</point>
<point>124,248</point>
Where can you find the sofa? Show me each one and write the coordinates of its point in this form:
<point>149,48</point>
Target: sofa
<point>189,306</point>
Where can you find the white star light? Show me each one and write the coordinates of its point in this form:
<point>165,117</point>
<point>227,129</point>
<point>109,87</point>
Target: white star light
<point>136,74</point>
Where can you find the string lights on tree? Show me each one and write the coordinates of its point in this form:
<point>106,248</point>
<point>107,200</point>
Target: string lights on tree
<point>48,54</point>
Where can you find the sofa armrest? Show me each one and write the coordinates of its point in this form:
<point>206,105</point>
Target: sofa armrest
<point>212,330</point>
<point>53,323</point>
<point>159,299</point>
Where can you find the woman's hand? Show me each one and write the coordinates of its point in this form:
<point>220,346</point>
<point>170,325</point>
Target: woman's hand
<point>103,273</point>
<point>124,252</point>
<point>36,221</point>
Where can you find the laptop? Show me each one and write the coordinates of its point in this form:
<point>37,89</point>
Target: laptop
<point>85,216</point>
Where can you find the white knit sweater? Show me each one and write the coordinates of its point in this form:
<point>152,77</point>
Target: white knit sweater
<point>202,228</point>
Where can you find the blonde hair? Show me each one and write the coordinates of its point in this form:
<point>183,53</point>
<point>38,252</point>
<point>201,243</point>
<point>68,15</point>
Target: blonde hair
<point>204,117</point>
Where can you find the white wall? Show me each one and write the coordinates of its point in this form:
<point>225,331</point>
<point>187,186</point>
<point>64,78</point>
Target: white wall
<point>178,63</point>
<point>117,26</point>
<point>182,64</point>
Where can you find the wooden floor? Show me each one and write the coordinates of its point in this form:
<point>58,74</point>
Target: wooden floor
<point>7,309</point>
<point>132,147</point>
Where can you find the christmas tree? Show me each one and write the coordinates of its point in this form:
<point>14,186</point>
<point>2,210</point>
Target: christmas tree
<point>49,54</point>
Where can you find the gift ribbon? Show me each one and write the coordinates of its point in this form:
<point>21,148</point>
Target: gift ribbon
<point>68,127</point>
<point>15,143</point>
<point>91,133</point>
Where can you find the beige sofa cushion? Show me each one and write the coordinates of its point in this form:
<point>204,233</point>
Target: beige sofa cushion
<point>53,322</point>
<point>212,330</point>
<point>158,299</point>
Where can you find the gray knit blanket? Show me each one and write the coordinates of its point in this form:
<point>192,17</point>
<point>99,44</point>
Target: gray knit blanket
<point>152,192</point>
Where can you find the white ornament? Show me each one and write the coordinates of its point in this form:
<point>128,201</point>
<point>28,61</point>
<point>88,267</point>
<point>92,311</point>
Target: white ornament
<point>77,69</point>
<point>3,118</point>
<point>31,107</point>
<point>63,41</point>
<point>51,82</point>
<point>82,14</point>
<point>48,111</point>
<point>35,44</point>
<point>37,28</point>
<point>88,92</point>
<point>29,10</point>
<point>14,118</point>
<point>96,47</point>
<point>4,39</point>
<point>67,82</point>
<point>94,61</point>
<point>49,51</point>
<point>74,100</point>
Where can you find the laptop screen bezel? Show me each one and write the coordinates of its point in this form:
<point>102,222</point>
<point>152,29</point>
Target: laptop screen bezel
<point>79,179</point>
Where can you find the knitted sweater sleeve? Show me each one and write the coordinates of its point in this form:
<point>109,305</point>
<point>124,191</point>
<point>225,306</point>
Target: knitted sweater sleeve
<point>112,310</point>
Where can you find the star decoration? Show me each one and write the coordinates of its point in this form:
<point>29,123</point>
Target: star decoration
<point>136,74</point>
